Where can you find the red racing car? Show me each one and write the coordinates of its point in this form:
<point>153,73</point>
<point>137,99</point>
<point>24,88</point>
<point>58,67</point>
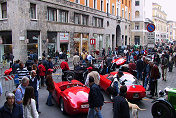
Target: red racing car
<point>119,61</point>
<point>8,71</point>
<point>135,91</point>
<point>72,97</point>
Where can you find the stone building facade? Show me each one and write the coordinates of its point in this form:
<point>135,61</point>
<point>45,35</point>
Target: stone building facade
<point>49,25</point>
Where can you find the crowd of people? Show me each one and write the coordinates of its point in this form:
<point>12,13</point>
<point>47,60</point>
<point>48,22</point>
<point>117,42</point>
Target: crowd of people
<point>145,64</point>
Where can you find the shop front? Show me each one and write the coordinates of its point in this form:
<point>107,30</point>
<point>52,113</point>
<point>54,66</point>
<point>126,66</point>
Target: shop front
<point>5,44</point>
<point>81,42</point>
<point>51,40</point>
<point>33,44</point>
<point>64,44</point>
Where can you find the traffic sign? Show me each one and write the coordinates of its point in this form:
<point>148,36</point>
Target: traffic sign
<point>92,41</point>
<point>150,27</point>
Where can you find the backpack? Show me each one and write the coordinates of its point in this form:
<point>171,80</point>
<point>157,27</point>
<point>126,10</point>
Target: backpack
<point>14,91</point>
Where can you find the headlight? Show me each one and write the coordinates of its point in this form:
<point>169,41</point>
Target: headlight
<point>85,106</point>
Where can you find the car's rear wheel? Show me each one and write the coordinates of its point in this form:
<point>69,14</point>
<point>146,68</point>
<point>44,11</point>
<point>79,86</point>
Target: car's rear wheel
<point>61,105</point>
<point>69,76</point>
<point>161,110</point>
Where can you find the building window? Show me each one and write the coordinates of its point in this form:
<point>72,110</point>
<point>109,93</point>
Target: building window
<point>94,21</point>
<point>122,13</point>
<point>137,40</point>
<point>97,22</point>
<point>117,11</point>
<point>33,11</point>
<point>63,16</point>
<point>77,1</point>
<point>4,10</point>
<point>122,2</point>
<point>136,3</point>
<point>101,5</point>
<point>126,2</point>
<point>86,2</point>
<point>52,14</point>
<point>77,18</point>
<point>129,16</point>
<point>137,14</point>
<point>95,4</point>
<point>113,10</point>
<point>100,22</point>
<point>85,19</point>
<point>136,26</point>
<point>107,8</point>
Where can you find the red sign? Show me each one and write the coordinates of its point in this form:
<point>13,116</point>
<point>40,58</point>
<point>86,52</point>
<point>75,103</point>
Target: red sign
<point>92,41</point>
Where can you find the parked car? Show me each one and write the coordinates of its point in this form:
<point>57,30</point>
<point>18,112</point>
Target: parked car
<point>8,71</point>
<point>165,105</point>
<point>135,91</point>
<point>119,61</point>
<point>72,97</point>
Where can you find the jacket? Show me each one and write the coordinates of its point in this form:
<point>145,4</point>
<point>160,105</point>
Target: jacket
<point>139,65</point>
<point>76,60</point>
<point>17,111</point>
<point>49,84</point>
<point>42,70</point>
<point>154,73</point>
<point>64,66</point>
<point>120,108</point>
<point>30,110</point>
<point>95,98</point>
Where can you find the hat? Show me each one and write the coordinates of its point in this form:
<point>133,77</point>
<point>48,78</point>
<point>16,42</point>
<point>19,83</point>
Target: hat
<point>50,70</point>
<point>90,68</point>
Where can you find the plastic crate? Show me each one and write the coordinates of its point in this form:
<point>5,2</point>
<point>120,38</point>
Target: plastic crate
<point>172,97</point>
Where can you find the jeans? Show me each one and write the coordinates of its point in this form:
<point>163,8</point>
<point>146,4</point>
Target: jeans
<point>42,80</point>
<point>36,99</point>
<point>146,82</point>
<point>93,114</point>
<point>49,100</point>
<point>139,75</point>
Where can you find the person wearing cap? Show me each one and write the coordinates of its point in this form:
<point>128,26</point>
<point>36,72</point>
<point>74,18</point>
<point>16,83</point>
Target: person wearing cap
<point>93,74</point>
<point>64,66</point>
<point>10,108</point>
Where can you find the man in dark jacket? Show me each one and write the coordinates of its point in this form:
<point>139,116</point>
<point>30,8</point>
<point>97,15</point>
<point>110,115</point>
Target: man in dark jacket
<point>10,108</point>
<point>139,68</point>
<point>33,82</point>
<point>95,100</point>
<point>120,106</point>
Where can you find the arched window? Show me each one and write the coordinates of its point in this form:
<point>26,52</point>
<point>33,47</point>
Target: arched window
<point>137,14</point>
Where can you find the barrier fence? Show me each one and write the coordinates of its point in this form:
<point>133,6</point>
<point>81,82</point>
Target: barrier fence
<point>7,83</point>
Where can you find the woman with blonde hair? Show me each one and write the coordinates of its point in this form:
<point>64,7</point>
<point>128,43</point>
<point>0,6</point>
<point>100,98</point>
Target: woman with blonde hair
<point>29,104</point>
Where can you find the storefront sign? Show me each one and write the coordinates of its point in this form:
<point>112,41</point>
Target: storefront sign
<point>22,38</point>
<point>92,41</point>
<point>64,37</point>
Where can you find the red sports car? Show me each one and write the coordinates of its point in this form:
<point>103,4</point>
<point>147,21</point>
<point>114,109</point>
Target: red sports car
<point>72,97</point>
<point>8,71</point>
<point>119,61</point>
<point>135,91</point>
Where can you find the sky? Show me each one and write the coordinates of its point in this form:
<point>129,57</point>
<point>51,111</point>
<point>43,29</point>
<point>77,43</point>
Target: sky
<point>169,6</point>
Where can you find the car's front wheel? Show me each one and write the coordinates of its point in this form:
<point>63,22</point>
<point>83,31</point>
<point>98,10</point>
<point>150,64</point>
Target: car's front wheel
<point>161,110</point>
<point>61,105</point>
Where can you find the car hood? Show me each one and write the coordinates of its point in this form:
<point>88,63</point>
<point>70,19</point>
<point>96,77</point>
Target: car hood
<point>77,95</point>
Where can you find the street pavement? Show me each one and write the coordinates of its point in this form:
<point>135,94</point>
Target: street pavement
<point>54,112</point>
